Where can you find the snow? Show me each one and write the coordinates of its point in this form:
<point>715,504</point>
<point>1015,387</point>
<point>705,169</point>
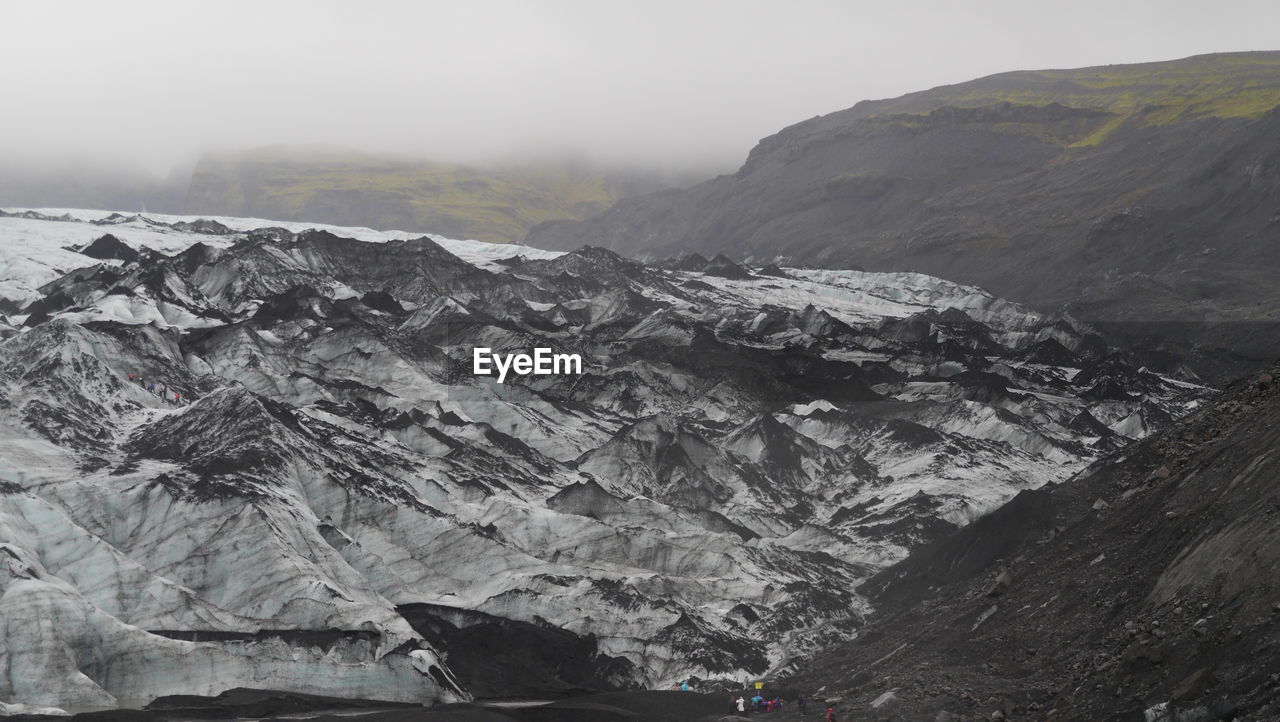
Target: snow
<point>139,310</point>
<point>470,250</point>
<point>860,297</point>
<point>12,710</point>
<point>34,252</point>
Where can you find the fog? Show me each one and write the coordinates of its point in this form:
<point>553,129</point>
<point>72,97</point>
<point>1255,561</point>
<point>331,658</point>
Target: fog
<point>685,84</point>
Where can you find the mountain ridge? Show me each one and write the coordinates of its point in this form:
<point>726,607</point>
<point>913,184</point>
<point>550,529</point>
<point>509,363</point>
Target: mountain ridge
<point>1144,208</point>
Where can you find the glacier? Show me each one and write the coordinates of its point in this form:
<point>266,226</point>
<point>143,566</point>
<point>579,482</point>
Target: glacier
<point>740,452</point>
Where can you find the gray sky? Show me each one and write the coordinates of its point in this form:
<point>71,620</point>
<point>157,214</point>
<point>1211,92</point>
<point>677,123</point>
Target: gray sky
<point>680,83</point>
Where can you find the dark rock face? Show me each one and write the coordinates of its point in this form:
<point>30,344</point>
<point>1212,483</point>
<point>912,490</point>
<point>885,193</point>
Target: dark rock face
<point>382,301</point>
<point>1152,219</point>
<point>1144,586</point>
<point>1052,352</point>
<point>586,498</point>
<point>109,247</point>
<point>502,658</point>
<point>691,262</point>
<point>723,267</point>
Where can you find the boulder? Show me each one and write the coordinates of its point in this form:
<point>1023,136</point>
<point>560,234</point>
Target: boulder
<point>1194,685</point>
<point>1002,582</point>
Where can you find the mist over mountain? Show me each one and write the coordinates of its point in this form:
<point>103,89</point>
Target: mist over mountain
<point>345,187</point>
<point>499,202</point>
<point>85,182</point>
<point>951,406</point>
<point>1140,197</point>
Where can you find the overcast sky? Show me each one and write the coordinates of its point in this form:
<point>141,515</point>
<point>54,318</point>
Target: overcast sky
<point>680,83</point>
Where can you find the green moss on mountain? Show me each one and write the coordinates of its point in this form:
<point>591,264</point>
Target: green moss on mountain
<point>1229,85</point>
<point>386,192</point>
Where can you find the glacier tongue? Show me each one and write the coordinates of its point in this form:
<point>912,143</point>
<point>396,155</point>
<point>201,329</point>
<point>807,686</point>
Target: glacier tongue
<point>741,451</point>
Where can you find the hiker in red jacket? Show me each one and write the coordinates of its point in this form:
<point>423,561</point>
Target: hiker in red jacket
<point>831,713</point>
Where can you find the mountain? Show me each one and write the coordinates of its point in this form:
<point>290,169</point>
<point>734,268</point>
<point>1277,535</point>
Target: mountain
<point>497,202</point>
<point>1142,589</point>
<point>346,187</point>
<point>1139,198</point>
<point>245,456</point>
<point>89,183</point>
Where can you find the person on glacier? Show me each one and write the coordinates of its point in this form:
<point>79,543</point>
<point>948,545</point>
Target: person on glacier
<point>802,703</point>
<point>831,713</point>
<point>742,704</point>
<point>177,398</point>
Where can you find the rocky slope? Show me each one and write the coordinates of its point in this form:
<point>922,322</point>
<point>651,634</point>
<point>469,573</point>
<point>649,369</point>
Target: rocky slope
<point>1143,589</point>
<point>1142,197</point>
<point>319,496</point>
